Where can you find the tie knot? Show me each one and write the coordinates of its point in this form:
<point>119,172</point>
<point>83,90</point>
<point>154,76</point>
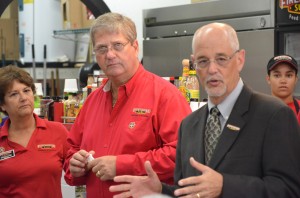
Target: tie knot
<point>214,111</point>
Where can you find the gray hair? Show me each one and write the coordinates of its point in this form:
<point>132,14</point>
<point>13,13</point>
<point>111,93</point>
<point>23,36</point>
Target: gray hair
<point>113,23</point>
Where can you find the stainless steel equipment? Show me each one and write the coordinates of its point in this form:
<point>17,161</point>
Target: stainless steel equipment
<point>168,35</point>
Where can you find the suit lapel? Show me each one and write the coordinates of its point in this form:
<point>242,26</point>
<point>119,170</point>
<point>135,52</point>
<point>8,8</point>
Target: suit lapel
<point>232,128</point>
<point>199,128</point>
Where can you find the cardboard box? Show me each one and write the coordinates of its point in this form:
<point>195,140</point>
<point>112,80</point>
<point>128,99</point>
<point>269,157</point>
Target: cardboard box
<point>71,13</point>
<point>9,39</point>
<point>12,11</point>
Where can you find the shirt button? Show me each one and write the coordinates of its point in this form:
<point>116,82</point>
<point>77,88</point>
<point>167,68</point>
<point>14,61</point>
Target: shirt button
<point>105,146</point>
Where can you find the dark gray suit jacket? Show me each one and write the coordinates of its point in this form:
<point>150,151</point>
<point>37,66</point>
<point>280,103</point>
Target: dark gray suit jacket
<point>260,160</point>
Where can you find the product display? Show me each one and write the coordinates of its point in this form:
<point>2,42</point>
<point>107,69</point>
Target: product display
<point>183,81</point>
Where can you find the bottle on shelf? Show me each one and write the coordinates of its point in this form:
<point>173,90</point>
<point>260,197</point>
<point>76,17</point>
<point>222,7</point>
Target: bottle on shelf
<point>96,75</point>
<point>90,79</point>
<point>71,108</point>
<point>44,105</point>
<point>101,78</point>
<point>192,85</point>
<point>94,86</point>
<point>37,98</point>
<point>183,82</point>
<point>89,89</point>
<point>37,104</point>
<point>194,88</point>
<point>84,95</point>
<point>177,80</point>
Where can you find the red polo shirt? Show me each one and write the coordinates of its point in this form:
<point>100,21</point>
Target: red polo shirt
<point>34,171</point>
<point>142,126</point>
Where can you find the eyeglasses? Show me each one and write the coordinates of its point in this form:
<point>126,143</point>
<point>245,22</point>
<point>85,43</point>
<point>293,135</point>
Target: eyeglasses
<point>103,49</point>
<point>219,60</point>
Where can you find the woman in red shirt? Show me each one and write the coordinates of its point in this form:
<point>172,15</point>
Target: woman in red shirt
<point>32,150</point>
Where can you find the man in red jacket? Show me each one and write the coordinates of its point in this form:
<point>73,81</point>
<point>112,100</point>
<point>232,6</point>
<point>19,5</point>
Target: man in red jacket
<point>133,117</point>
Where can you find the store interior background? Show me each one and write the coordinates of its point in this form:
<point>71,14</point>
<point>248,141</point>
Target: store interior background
<point>39,19</point>
<point>36,24</point>
<point>40,22</point>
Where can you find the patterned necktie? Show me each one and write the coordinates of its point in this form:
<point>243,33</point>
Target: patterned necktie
<point>212,133</point>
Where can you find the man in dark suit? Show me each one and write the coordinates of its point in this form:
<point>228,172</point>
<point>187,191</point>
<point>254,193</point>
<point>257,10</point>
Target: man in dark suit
<point>256,154</point>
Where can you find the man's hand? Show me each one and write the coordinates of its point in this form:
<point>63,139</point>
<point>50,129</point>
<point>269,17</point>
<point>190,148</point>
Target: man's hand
<point>137,186</point>
<point>104,167</point>
<point>78,163</point>
<point>208,184</point>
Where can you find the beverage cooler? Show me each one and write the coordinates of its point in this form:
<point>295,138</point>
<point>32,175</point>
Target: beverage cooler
<point>168,35</point>
<point>287,30</point>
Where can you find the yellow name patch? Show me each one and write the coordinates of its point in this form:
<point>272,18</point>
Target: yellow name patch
<point>46,147</point>
<point>140,111</point>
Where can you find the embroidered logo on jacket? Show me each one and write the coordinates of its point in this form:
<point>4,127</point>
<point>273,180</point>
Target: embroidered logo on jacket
<point>131,125</point>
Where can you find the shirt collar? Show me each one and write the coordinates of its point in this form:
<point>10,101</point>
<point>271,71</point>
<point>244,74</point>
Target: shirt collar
<point>129,86</point>
<point>40,123</point>
<point>226,106</point>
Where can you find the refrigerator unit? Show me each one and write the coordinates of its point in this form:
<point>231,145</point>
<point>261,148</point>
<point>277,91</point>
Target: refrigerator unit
<point>287,30</point>
<point>168,35</point>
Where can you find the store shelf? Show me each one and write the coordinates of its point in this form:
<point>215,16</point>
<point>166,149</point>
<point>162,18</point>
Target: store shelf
<point>71,34</point>
<point>73,31</point>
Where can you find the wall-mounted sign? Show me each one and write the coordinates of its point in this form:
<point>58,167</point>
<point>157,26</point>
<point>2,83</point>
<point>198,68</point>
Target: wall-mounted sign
<point>287,12</point>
